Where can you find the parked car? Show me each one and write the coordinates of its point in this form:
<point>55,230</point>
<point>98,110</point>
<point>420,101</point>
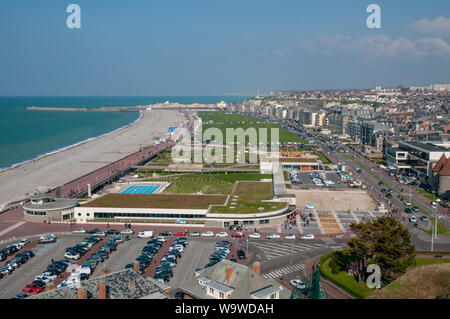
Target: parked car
<point>112,231</point>
<point>47,239</point>
<point>179,295</point>
<point>226,242</point>
<point>161,239</point>
<point>207,234</point>
<point>254,236</point>
<point>194,234</point>
<point>165,233</point>
<point>127,231</point>
<point>424,218</point>
<point>237,235</point>
<point>180,233</point>
<point>24,242</point>
<point>413,219</point>
<point>273,236</point>
<point>307,237</point>
<point>298,283</point>
<point>241,254</point>
<point>145,234</point>
<point>93,231</point>
<point>79,231</point>
<point>222,234</point>
<point>291,236</point>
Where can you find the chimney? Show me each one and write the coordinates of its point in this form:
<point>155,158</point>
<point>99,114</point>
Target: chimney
<point>82,293</point>
<point>101,290</point>
<point>136,266</point>
<point>105,271</point>
<point>229,272</point>
<point>256,267</point>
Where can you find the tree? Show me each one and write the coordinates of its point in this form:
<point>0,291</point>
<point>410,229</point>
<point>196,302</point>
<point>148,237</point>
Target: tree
<point>382,241</point>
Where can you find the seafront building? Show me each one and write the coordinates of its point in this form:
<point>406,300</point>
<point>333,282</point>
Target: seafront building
<point>44,208</point>
<point>230,280</point>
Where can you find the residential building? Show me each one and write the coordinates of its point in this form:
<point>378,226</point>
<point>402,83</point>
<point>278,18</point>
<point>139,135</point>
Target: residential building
<point>230,280</point>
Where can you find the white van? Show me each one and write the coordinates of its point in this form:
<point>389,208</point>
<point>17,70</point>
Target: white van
<point>145,234</point>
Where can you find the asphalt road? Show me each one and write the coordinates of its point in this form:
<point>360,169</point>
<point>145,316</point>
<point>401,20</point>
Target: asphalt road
<point>196,255</point>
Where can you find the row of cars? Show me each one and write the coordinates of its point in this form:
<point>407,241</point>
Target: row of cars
<point>222,252</point>
<point>18,260</point>
<point>164,270</point>
<point>346,179</point>
<point>224,234</point>
<point>277,236</point>
<point>320,179</point>
<point>148,253</point>
<point>293,176</point>
<point>78,273</point>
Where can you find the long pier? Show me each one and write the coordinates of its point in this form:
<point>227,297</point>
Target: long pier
<point>122,108</point>
<point>83,109</point>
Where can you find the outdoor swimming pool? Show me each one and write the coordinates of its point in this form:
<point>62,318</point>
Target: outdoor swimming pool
<point>140,189</point>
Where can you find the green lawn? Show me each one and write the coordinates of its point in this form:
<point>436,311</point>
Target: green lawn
<point>431,261</point>
<point>192,184</point>
<point>284,135</point>
<point>250,199</point>
<point>322,157</point>
<point>221,117</point>
<point>343,280</point>
<point>427,194</point>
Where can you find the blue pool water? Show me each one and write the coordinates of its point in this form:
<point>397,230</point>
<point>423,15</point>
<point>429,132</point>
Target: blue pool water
<point>140,189</point>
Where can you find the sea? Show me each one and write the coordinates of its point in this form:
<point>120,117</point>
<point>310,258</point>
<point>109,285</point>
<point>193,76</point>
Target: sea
<point>27,135</point>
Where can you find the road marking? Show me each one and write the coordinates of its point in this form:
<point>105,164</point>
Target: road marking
<point>10,228</point>
<point>283,271</point>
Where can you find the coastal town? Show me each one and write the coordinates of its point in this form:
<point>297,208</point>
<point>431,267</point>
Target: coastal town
<point>211,159</point>
<point>275,222</point>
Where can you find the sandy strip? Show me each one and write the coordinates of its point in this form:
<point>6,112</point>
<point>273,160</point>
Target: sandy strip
<point>62,167</point>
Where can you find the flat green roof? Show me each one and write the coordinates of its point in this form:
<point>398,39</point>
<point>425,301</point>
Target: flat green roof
<point>157,201</point>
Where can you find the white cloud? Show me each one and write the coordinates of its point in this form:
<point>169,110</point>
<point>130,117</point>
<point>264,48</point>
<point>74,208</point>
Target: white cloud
<point>439,26</point>
<point>377,46</point>
<point>274,53</point>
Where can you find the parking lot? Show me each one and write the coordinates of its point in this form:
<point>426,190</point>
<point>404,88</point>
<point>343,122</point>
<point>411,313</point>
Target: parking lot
<point>25,274</point>
<point>195,256</point>
<point>304,180</point>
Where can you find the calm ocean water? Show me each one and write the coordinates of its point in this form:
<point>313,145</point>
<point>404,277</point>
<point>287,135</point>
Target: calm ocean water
<point>26,135</point>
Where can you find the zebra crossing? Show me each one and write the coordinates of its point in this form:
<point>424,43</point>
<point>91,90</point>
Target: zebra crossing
<point>277,249</point>
<point>283,271</point>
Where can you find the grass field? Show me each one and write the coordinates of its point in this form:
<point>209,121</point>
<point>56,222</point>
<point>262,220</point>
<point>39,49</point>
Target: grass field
<point>250,195</point>
<point>284,135</point>
<point>431,261</point>
<point>427,194</point>
<point>428,282</point>
<point>221,117</point>
<point>322,157</point>
<point>156,201</point>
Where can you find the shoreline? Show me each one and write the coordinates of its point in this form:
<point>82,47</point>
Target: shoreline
<point>68,147</point>
<point>71,162</point>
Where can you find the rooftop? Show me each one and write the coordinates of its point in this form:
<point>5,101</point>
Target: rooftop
<point>124,284</point>
<point>244,282</point>
<point>55,203</point>
<point>424,146</point>
<point>157,201</point>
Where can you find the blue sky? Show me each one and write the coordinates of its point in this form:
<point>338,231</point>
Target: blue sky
<point>149,47</point>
